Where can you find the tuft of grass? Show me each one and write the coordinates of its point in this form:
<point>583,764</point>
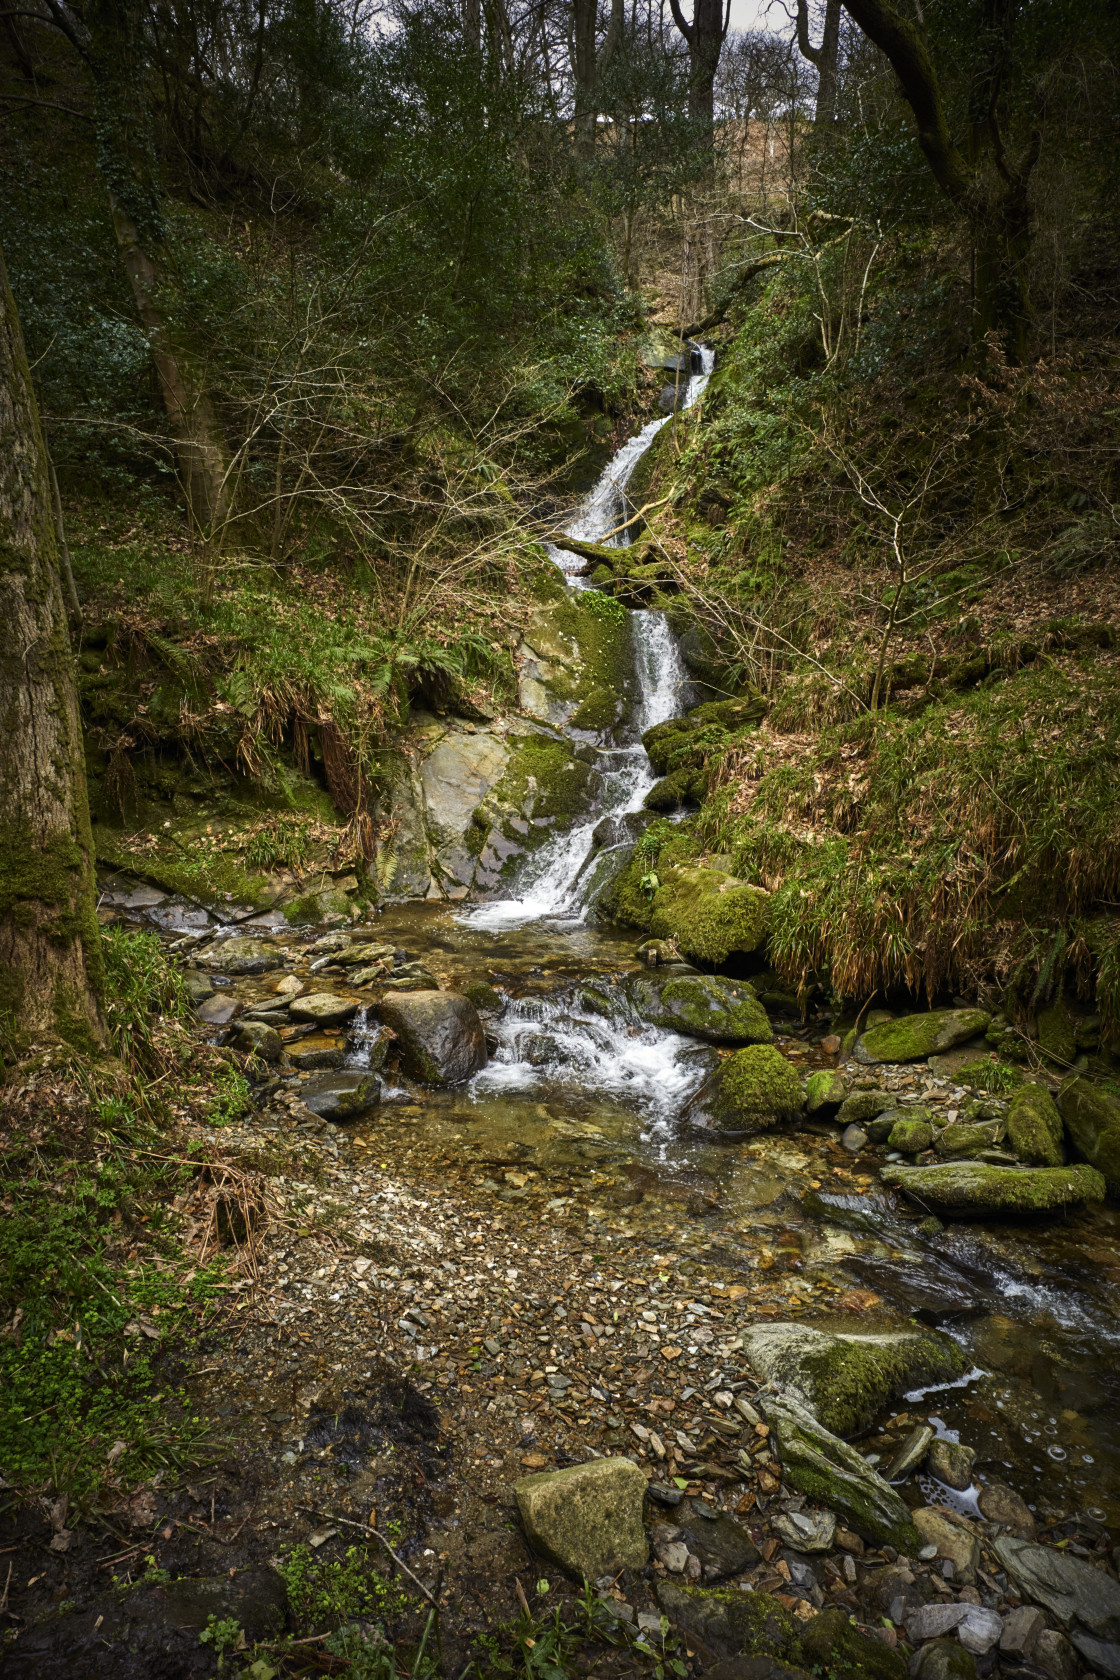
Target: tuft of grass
<point>143,990</point>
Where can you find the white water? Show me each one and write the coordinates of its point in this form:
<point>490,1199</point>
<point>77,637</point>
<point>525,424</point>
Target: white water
<point>553,878</point>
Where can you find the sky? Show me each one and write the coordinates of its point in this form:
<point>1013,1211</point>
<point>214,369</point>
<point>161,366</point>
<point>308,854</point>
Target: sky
<point>752,14</point>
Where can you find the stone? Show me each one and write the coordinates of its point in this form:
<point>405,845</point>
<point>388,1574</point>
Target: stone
<point>1053,1654</point>
<point>314,1054</point>
<point>403,861</point>
<point>246,956</point>
<point>961,1548</point>
<point>1021,1629</point>
<point>723,1545</point>
<point>909,1454</point>
<point>664,1493</point>
<point>853,1139</point>
<point>440,1035</point>
<point>972,1186</point>
<point>1103,1656</point>
<point>806,1531</point>
<point>834,1474</point>
<point>256,1039</point>
<point>749,1092</point>
<point>1034,1127</point>
<point>1057,1035</point>
<point>872,1214</point>
<point>1092,1120</point>
<point>198,986</point>
<point>656,952</point>
<point>709,915</point>
<point>1001,1504</point>
<point>324,1008</point>
<point>962,1143</point>
<point>825,1089</point>
<point>455,777</point>
<point>829,1642</point>
<point>980,1629</point>
<point>728,1624</point>
<point>951,1462</point>
<point>862,1106</point>
<point>934,1621</point>
<point>345,1095</point>
<point>910,1136</point>
<point>702,1006</point>
<point>588,1517</point>
<point>218,1009</point>
<point>944,1660</point>
<point>486,999</point>
<point>845,1379</point>
<point>1069,1587</point>
<point>913,1038</point>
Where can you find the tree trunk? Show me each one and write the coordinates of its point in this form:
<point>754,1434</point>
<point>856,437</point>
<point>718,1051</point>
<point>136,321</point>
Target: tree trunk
<point>826,57</point>
<point>201,449</point>
<point>704,37</point>
<point>51,970</point>
<point>589,65</point>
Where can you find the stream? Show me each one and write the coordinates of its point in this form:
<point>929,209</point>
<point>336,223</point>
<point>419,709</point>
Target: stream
<point>576,1119</point>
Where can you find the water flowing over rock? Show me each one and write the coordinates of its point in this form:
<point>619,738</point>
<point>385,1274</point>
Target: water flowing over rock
<point>845,1380</point>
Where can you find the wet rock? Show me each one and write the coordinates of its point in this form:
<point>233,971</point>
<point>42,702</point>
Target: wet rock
<point>440,1035</point>
<point>310,1056</point>
<point>806,1531</point>
<point>862,1106</point>
<point>486,999</point>
<point>910,1136</point>
<point>755,1668</point>
<point>198,986</point>
<point>218,1009</point>
<point>322,1007</point>
<point>972,1186</point>
<point>845,1380</point>
<point>587,1518</point>
<point>834,1474</point>
<point>1001,1504</point>
<point>825,1089</point>
<point>909,1454</point>
<point>656,952</point>
<point>936,1288</point>
<point>723,1546</point>
<point>1103,1656</point>
<point>962,1143</point>
<point>1021,1629</point>
<point>854,1139</point>
<point>953,1542</point>
<point>871,1214</point>
<point>1092,1119</point>
<point>944,1660</point>
<point>702,1006</point>
<point>751,1091</point>
<point>664,1493</point>
<point>341,1096</point>
<point>1054,1655</point>
<point>1034,1127</point>
<point>912,1038</point>
<point>247,956</point>
<point>1072,1589</point>
<point>257,1039</point>
<point>951,1462</point>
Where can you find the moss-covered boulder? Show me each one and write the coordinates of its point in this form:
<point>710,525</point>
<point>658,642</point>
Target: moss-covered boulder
<point>588,1517</point>
<point>709,914</point>
<point>754,1634</point>
<point>702,1006</point>
<point>964,1142</point>
<point>910,1136</point>
<point>834,1474</point>
<point>681,787</point>
<point>846,1380</point>
<point>1092,1121</point>
<point>1057,1034</point>
<point>577,653</point>
<point>486,999</point>
<point>825,1089</point>
<point>862,1106</point>
<point>974,1187</point>
<point>829,1644</point>
<point>750,1092</point>
<point>911,1038</point>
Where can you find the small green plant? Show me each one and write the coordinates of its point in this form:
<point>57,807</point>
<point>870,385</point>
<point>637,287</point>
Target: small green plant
<point>331,1592</point>
<point>141,988</point>
<point>225,1635</point>
<point>231,1099</point>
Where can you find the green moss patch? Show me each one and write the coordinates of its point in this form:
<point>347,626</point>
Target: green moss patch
<point>754,1089</point>
<point>709,914</point>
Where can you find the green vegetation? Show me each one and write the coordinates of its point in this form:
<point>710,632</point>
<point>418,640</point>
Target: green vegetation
<point>754,1089</point>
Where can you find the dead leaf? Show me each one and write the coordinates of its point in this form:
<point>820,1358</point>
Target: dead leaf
<point>321,1536</point>
<point>115,1452</point>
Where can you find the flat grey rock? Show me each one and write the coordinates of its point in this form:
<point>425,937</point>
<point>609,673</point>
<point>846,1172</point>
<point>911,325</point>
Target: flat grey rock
<point>341,1096</point>
<point>1068,1586</point>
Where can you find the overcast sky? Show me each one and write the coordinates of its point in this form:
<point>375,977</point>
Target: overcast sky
<point>756,14</point>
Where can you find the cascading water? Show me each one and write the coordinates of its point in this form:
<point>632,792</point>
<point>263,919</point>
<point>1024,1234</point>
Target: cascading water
<point>553,887</point>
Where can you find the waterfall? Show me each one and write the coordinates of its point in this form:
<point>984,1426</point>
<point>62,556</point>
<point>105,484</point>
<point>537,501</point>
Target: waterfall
<point>553,879</point>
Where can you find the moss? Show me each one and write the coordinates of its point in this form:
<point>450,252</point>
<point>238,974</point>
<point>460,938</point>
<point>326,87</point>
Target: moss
<point>1057,1037</point>
<point>962,1143</point>
<point>863,1105</point>
<point>973,1187</point>
<point>849,1378</point>
<point>210,877</point>
<point>681,787</point>
<point>584,637</point>
<point>543,780</point>
<point>709,914</point>
<point>755,1088</point>
<point>830,1472</point>
<point>1092,1119</point>
<point>911,1038</point>
<point>910,1136</point>
<point>830,1644</point>
<point>315,907</point>
<point>827,1088</point>
<point>728,1622</point>
<point>601,710</point>
<point>721,1011</point>
<point>485,998</point>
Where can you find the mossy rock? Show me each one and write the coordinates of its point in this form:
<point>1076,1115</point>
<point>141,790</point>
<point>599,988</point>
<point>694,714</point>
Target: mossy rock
<point>752,1090</point>
<point>681,787</point>
<point>910,1136</point>
<point>600,712</point>
<point>829,1644</point>
<point>911,1038</point>
<point>1092,1121</point>
<point>1034,1127</point>
<point>975,1187</point>
<point>486,999</point>
<point>709,914</point>
<point>1057,1035</point>
<point>864,1105</point>
<point>846,1380</point>
<point>733,1626</point>
<point>964,1142</point>
<point>827,1088</point>
<point>577,649</point>
<point>312,908</point>
<point>831,1473</point>
<point>702,1006</point>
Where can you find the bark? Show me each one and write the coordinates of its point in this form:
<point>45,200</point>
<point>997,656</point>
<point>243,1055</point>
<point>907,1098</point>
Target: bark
<point>51,970</point>
<point>200,447</point>
<point>826,58</point>
<point>589,66</point>
<point>704,37</point>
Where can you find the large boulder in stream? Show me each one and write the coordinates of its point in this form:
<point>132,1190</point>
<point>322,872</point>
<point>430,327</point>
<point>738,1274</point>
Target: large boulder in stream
<point>846,1380</point>
<point>440,1035</point>
<point>749,1092</point>
<point>911,1038</point>
<point>1092,1119</point>
<point>974,1187</point>
<point>701,1006</point>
